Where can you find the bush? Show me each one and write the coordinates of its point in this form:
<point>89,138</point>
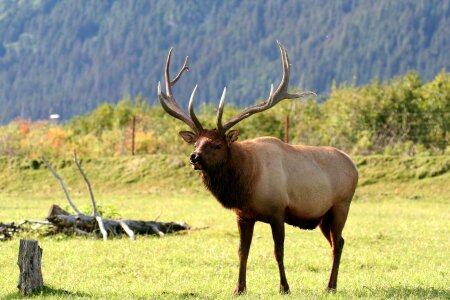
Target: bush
<point>403,116</point>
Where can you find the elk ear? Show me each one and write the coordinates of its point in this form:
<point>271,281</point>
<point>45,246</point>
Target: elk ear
<point>188,137</point>
<point>232,136</point>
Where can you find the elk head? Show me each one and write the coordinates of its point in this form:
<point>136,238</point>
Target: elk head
<point>212,146</point>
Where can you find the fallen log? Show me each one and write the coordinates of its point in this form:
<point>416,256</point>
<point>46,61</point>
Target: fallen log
<point>83,224</point>
<point>8,230</point>
<point>63,220</point>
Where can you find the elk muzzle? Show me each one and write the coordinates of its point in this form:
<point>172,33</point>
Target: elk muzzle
<point>196,160</point>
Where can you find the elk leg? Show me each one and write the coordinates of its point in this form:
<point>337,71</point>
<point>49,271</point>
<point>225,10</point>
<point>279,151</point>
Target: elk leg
<point>325,225</point>
<point>338,219</point>
<point>278,238</point>
<point>245,239</point>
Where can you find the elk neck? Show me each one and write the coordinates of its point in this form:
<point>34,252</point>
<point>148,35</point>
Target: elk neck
<point>231,182</point>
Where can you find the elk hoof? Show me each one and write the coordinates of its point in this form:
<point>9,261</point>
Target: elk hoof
<point>331,290</point>
<point>284,289</point>
<point>239,290</point>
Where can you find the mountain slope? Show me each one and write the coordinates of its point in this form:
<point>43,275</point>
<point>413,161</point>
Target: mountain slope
<point>67,56</point>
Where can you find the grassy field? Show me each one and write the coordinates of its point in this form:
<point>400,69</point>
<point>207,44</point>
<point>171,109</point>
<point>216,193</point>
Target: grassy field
<point>397,241</point>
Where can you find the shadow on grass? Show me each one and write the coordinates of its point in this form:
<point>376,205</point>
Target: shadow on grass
<point>47,291</point>
<point>393,292</point>
<point>396,292</point>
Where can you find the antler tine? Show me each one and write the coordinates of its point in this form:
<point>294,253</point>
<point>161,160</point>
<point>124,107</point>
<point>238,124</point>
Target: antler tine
<point>220,111</point>
<point>174,112</point>
<point>275,97</point>
<point>169,82</point>
<point>185,67</point>
<point>191,111</point>
<point>168,101</point>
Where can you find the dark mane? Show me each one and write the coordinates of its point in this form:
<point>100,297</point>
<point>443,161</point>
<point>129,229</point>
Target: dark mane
<point>228,183</point>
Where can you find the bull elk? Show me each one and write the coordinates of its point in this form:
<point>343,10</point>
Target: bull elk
<point>267,180</point>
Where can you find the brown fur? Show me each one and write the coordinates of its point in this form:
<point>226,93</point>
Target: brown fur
<point>267,180</point>
<point>227,179</point>
<point>228,185</point>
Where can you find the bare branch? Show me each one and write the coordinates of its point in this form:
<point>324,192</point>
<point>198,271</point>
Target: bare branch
<point>61,182</point>
<point>156,230</point>
<point>127,229</point>
<point>91,193</point>
<point>158,216</point>
<point>39,222</point>
<point>200,228</point>
<point>102,227</point>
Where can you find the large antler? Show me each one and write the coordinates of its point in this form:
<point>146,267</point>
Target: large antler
<point>168,101</point>
<point>276,96</point>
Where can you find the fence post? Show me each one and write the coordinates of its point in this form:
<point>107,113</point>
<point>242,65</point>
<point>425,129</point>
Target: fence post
<point>133,135</point>
<point>286,129</point>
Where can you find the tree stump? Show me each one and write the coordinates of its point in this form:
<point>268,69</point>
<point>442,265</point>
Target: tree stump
<point>29,261</point>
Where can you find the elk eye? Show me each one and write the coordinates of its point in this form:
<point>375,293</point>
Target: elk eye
<point>218,146</point>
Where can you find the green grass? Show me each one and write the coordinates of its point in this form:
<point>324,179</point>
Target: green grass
<point>159,173</point>
<point>397,246</point>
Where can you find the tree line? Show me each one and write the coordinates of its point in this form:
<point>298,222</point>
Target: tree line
<point>67,57</point>
<point>401,116</point>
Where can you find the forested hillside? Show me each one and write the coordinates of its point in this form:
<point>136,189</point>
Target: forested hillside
<point>68,56</point>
